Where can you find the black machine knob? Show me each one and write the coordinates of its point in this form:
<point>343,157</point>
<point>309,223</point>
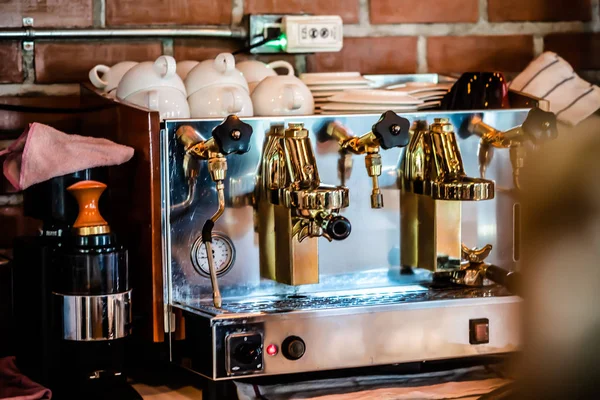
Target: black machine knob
<point>540,126</point>
<point>392,130</point>
<point>247,353</point>
<point>338,228</point>
<point>233,136</point>
<point>293,348</point>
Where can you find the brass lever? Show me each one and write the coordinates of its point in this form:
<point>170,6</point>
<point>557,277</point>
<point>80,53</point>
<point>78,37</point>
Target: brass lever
<point>390,131</point>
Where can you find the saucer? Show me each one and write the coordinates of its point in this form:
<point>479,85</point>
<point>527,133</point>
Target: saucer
<point>340,87</point>
<point>374,97</point>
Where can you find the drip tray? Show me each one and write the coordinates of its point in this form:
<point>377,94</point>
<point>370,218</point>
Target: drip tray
<point>307,302</point>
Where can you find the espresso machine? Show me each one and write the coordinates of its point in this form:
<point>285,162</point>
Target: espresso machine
<point>282,256</point>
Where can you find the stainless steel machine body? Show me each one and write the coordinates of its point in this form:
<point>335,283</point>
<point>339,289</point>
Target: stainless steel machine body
<point>363,311</point>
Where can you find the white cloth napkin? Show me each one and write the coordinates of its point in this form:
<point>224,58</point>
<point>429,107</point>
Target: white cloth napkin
<point>550,77</point>
<point>460,383</point>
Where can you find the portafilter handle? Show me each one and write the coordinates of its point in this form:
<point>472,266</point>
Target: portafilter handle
<point>232,136</point>
<point>509,279</point>
<point>477,267</point>
<point>392,130</point>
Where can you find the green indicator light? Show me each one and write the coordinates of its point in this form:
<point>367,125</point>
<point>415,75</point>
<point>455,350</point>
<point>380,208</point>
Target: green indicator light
<point>279,43</point>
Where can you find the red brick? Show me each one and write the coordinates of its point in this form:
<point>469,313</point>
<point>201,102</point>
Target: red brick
<point>479,53</point>
<point>374,55</point>
<point>539,10</point>
<point>413,11</point>
<point>71,61</point>
<point>347,9</point>
<point>203,49</point>
<point>11,67</point>
<point>582,50</point>
<point>49,13</point>
<point>165,12</point>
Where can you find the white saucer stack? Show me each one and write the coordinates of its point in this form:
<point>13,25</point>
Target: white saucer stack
<point>375,101</point>
<point>326,84</point>
<point>351,93</point>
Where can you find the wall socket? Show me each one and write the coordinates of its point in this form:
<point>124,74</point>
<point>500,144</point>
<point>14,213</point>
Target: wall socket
<point>299,33</point>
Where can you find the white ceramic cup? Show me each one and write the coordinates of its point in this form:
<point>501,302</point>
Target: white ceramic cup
<point>220,101</point>
<point>184,68</point>
<point>108,78</point>
<point>220,71</point>
<point>282,95</point>
<point>149,75</point>
<point>170,103</point>
<point>255,71</point>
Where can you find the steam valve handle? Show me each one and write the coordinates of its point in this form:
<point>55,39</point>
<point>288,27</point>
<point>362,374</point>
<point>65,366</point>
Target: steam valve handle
<point>232,136</point>
<point>338,228</point>
<point>392,130</point>
<point>89,221</point>
<point>540,126</point>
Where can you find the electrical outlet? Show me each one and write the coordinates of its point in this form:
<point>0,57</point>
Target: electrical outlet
<point>310,34</point>
<point>299,33</point>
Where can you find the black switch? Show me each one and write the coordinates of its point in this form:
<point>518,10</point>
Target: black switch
<point>244,353</point>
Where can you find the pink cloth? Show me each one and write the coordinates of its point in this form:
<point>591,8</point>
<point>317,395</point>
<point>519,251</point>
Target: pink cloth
<point>42,153</point>
<point>16,386</point>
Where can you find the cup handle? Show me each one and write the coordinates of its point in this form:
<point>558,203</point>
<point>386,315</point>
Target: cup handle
<point>233,103</point>
<point>225,62</point>
<point>282,64</point>
<point>95,78</point>
<point>166,66</point>
<point>293,101</point>
<point>152,100</point>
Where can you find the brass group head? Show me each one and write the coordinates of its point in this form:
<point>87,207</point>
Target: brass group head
<point>390,131</point>
<point>295,208</point>
<point>433,184</point>
<point>538,127</point>
<point>433,167</point>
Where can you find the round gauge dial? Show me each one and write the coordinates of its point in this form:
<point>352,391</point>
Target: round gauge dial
<point>223,254</point>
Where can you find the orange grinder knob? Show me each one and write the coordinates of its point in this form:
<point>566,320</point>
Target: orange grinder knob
<point>89,221</point>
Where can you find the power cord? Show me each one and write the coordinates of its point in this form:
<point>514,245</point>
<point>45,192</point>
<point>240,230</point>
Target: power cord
<point>270,34</point>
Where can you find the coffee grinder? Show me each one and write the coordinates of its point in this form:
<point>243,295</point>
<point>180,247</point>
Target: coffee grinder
<point>85,302</point>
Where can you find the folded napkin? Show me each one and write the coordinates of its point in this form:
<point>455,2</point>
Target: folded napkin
<point>459,383</point>
<point>550,77</point>
<point>16,386</point>
<point>42,153</point>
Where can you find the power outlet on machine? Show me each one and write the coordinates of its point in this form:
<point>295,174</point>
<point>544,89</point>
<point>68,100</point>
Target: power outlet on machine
<point>311,34</point>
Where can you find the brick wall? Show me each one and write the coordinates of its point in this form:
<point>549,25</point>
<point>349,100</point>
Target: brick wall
<point>382,36</point>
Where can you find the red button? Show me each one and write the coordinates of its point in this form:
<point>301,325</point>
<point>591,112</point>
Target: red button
<point>479,331</point>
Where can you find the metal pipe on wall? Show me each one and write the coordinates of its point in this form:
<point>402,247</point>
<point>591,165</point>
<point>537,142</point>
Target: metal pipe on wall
<point>31,34</point>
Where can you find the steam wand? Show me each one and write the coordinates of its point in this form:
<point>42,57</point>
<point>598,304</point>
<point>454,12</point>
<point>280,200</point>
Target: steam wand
<point>207,240</point>
<point>232,136</point>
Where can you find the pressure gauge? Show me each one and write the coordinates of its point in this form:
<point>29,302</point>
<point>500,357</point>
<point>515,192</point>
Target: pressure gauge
<point>223,254</point>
